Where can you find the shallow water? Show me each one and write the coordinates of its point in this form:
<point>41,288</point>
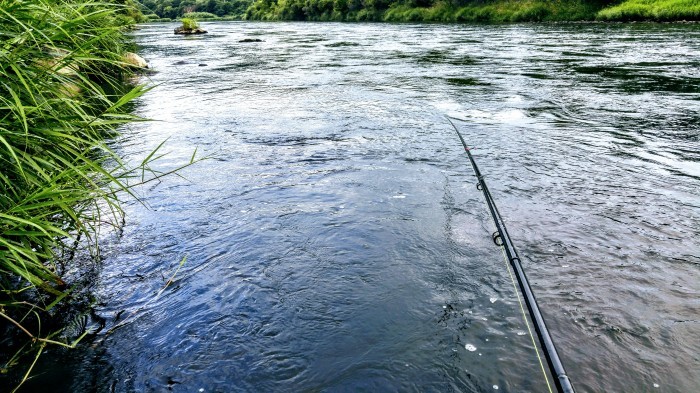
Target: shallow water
<point>335,240</point>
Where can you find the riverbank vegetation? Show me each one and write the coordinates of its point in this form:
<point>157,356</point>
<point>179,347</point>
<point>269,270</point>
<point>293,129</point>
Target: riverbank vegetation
<point>165,10</point>
<point>496,12</point>
<point>652,10</point>
<point>64,89</point>
<point>440,11</point>
<point>474,11</point>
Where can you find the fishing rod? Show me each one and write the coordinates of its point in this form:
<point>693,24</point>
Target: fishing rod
<point>501,238</point>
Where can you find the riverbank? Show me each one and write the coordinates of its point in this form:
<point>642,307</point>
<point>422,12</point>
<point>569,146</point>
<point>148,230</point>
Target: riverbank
<point>65,70</point>
<point>498,11</point>
<point>652,10</point>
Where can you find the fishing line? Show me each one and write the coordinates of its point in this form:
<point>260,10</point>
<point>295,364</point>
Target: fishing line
<point>501,238</point>
<point>527,322</point>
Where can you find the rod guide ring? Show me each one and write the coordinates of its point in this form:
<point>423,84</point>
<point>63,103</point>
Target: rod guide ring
<point>497,239</point>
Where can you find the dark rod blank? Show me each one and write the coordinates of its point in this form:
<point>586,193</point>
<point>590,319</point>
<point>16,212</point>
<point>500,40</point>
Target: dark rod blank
<point>555,366</point>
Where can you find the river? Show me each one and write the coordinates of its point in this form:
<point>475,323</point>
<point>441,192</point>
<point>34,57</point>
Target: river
<point>335,239</point>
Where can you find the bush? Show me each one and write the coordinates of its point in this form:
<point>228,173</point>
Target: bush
<point>531,13</point>
<point>189,24</point>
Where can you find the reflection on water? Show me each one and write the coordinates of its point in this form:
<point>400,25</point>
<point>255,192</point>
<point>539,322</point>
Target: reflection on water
<point>336,241</point>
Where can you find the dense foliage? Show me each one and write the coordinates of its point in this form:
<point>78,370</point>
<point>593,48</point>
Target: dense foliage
<point>498,12</point>
<point>484,11</point>
<point>423,10</point>
<point>173,9</point>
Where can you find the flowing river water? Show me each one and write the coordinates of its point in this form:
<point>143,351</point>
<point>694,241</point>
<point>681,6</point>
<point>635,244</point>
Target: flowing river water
<point>335,239</point>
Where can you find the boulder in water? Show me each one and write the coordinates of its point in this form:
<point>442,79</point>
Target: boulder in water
<point>182,30</point>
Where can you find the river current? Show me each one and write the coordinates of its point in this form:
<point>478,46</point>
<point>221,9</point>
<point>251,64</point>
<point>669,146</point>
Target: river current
<point>335,240</point>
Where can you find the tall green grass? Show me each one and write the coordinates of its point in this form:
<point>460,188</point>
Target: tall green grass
<point>652,10</point>
<point>61,96</point>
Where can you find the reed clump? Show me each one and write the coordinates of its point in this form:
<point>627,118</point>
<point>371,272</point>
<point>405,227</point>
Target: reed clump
<point>62,94</point>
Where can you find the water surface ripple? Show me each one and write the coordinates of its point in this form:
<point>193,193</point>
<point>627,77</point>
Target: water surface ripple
<point>336,241</point>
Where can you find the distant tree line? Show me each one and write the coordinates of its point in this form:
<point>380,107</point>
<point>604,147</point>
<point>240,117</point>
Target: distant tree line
<point>425,10</point>
<point>474,11</point>
<point>482,11</point>
<point>313,9</point>
<point>176,8</point>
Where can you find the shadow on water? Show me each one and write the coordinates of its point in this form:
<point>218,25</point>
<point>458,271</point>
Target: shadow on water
<point>341,44</point>
<point>434,56</point>
<point>295,140</point>
<point>466,82</point>
<point>639,79</point>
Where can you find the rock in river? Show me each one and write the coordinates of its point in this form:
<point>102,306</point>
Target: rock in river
<point>135,60</point>
<point>181,30</point>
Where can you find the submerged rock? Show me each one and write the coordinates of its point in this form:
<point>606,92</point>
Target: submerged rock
<point>251,40</point>
<point>182,30</point>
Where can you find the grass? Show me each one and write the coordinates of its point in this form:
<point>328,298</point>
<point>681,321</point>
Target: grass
<point>652,10</point>
<point>62,94</point>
